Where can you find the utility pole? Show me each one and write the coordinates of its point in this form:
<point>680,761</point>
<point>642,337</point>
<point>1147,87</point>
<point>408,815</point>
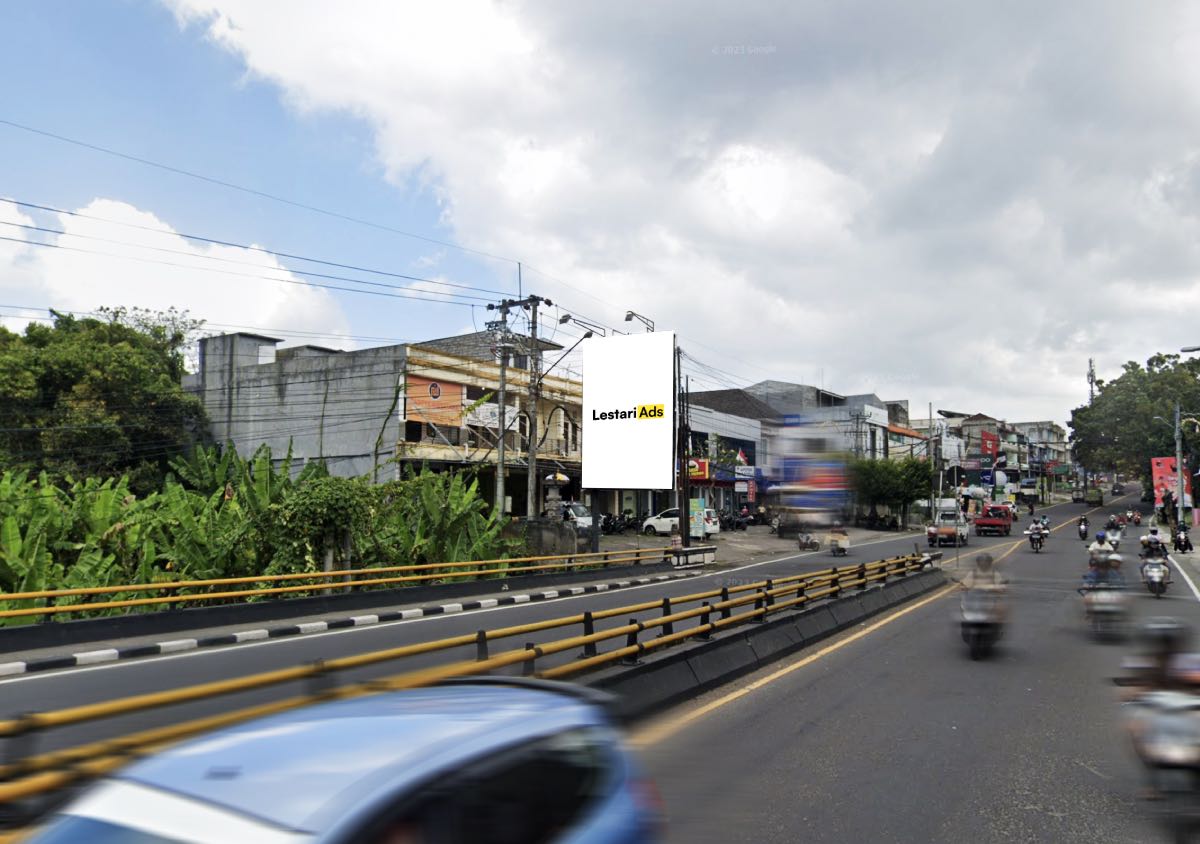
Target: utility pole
<point>534,366</point>
<point>931,456</point>
<point>503,344</point>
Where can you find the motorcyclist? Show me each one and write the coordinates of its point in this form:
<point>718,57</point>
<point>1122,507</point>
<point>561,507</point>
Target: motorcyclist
<point>1152,544</point>
<point>1101,548</point>
<point>1104,570</point>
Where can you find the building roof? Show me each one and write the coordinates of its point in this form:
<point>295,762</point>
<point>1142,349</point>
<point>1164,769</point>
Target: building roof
<point>480,345</point>
<point>906,432</point>
<point>735,403</point>
<point>251,336</point>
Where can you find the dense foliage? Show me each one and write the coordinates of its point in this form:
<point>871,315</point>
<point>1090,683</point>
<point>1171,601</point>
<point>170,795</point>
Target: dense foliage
<point>219,515</point>
<point>97,397</point>
<point>893,483</point>
<point>1119,430</point>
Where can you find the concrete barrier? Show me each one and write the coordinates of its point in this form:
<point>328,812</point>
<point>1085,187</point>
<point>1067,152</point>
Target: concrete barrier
<point>663,679</point>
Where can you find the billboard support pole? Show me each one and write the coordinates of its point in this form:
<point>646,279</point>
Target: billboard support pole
<point>1178,467</point>
<point>685,509</point>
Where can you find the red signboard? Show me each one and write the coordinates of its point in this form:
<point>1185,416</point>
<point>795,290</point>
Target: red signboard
<point>751,491</point>
<point>1162,472</point>
<point>991,443</point>
<point>697,469</point>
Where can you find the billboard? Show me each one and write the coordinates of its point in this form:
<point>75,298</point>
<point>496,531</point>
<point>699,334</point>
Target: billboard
<point>629,411</point>
<point>1162,471</point>
<point>436,402</point>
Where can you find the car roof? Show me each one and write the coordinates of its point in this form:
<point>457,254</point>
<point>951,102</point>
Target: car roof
<point>309,768</point>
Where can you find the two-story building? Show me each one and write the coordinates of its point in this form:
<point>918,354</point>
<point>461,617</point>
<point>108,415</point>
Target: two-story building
<point>372,411</point>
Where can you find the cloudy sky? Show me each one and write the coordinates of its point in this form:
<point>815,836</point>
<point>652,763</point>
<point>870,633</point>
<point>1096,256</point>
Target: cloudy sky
<point>949,202</point>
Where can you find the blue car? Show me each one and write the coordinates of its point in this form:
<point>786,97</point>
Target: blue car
<point>485,761</point>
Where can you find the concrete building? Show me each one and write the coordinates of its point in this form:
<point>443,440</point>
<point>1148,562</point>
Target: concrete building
<point>369,412</point>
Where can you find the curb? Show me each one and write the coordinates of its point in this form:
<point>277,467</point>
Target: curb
<point>72,660</point>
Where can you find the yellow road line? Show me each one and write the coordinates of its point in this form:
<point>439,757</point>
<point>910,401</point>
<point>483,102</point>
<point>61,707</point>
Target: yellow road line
<point>656,732</point>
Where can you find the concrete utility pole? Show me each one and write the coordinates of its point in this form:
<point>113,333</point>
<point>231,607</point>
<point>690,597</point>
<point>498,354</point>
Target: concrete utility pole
<point>503,344</point>
<point>534,365</point>
<point>535,361</point>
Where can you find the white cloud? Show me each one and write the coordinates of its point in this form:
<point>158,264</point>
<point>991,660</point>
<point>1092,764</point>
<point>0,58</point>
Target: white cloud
<point>929,201</point>
<point>105,261</point>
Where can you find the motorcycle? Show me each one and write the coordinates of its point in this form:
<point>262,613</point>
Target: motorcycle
<point>982,620</point>
<point>808,542</point>
<point>1182,543</point>
<point>1083,531</point>
<point>1104,605</point>
<point>1165,726</point>
<point>1156,576</point>
<point>1036,540</point>
<point>1137,517</point>
<point>1111,524</point>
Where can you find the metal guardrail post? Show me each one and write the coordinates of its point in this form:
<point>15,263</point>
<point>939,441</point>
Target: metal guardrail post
<point>758,605</point>
<point>48,617</point>
<point>19,745</point>
<point>704,622</point>
<point>589,627</point>
<point>800,602</point>
<point>725,612</point>
<point>320,681</point>
<point>528,666</point>
<point>862,575</point>
<point>631,641</point>
<point>668,627</point>
<point>769,599</point>
<point>481,645</point>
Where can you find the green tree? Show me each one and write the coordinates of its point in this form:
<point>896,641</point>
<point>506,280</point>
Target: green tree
<point>1118,429</point>
<point>98,397</point>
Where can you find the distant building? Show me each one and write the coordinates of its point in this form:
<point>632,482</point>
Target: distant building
<point>371,411</point>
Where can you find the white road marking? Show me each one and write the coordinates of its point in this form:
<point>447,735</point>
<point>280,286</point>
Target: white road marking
<point>175,645</point>
<point>1190,584</point>
<point>362,620</point>
<point>313,626</point>
<point>251,635</point>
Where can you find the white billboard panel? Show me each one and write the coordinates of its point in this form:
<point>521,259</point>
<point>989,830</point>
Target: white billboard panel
<point>629,411</point>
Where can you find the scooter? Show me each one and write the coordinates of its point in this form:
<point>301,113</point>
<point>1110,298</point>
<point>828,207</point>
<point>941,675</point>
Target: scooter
<point>1137,517</point>
<point>1165,726</point>
<point>1083,531</point>
<point>1036,540</point>
<point>1106,609</point>
<point>1156,576</point>
<point>982,620</point>
<point>1182,543</point>
<point>808,542</point>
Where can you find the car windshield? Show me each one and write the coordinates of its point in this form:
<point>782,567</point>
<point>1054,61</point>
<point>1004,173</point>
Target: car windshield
<point>579,511</point>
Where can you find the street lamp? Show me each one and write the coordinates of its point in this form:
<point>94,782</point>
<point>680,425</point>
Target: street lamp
<point>630,316</point>
<point>582,323</point>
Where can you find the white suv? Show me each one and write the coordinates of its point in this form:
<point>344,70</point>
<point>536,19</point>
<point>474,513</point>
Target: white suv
<point>664,522</point>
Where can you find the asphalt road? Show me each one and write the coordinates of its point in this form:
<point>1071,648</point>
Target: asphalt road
<point>898,736</point>
<point>74,686</point>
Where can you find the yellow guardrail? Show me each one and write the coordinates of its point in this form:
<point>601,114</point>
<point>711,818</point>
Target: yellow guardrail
<point>29,776</point>
<point>178,592</point>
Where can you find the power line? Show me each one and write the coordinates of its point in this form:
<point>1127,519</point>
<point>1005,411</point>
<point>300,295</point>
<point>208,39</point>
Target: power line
<point>240,275</point>
<point>252,191</point>
<point>246,246</point>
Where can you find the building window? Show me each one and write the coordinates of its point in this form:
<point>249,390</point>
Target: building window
<point>474,394</point>
<point>412,432</point>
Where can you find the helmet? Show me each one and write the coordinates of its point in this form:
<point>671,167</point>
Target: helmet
<point>1154,531</point>
<point>1114,560</point>
<point>1100,536</point>
<point>1165,635</point>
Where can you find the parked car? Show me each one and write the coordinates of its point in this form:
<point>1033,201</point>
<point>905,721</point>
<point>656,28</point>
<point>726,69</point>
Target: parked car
<point>1077,495</point>
<point>492,759</point>
<point>712,522</point>
<point>578,516</point>
<point>662,523</point>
